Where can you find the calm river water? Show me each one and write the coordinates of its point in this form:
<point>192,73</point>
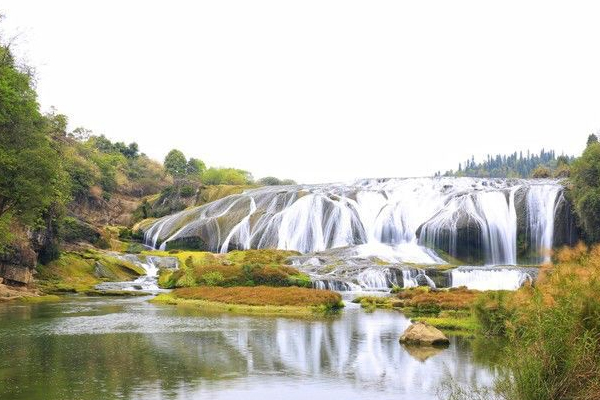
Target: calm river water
<point>106,348</point>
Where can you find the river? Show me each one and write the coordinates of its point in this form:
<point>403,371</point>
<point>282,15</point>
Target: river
<point>126,348</point>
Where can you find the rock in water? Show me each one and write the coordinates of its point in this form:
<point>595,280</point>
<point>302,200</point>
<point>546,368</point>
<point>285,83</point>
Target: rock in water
<point>423,334</point>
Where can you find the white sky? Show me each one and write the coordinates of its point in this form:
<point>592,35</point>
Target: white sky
<point>320,90</point>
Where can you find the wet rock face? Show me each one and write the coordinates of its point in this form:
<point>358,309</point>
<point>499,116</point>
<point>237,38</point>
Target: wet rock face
<point>420,333</point>
<point>566,231</point>
<point>461,239</point>
<point>17,264</point>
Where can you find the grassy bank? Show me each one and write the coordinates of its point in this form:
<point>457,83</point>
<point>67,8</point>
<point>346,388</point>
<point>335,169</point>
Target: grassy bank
<point>553,332</point>
<point>256,300</point>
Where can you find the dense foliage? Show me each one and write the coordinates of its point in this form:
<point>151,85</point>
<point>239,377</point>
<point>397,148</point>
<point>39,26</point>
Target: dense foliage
<point>273,181</point>
<point>32,177</point>
<point>585,190</point>
<point>543,165</point>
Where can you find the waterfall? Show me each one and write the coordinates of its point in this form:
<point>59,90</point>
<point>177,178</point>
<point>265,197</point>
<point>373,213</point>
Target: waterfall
<point>398,220</point>
<point>541,209</point>
<point>241,231</point>
<point>490,278</point>
<point>500,233</point>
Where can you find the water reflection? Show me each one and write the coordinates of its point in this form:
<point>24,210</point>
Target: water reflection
<point>129,349</point>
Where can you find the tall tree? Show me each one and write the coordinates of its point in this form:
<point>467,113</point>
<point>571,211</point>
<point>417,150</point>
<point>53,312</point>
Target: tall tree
<point>176,164</point>
<point>31,173</point>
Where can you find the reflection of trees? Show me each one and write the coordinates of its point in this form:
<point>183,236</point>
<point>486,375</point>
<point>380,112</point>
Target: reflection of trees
<point>189,350</point>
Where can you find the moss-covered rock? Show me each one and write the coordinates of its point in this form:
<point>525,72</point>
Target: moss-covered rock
<point>81,271</point>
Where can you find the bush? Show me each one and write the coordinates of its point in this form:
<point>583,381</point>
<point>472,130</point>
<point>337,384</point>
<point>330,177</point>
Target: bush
<point>187,191</point>
<point>555,340</point>
<point>541,172</point>
<point>226,176</point>
<point>493,313</point>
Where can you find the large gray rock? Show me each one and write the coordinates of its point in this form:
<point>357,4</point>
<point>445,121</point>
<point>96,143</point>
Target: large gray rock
<point>421,333</point>
<point>16,273</point>
<point>17,264</point>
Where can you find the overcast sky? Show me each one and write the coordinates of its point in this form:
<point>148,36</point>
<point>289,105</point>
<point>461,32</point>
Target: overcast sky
<point>320,90</point>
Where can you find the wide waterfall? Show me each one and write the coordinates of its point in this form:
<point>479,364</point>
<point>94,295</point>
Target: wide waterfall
<point>478,221</point>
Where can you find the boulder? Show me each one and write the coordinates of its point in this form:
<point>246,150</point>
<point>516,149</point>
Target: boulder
<point>421,333</point>
<point>164,262</point>
<point>17,264</point>
<point>16,273</point>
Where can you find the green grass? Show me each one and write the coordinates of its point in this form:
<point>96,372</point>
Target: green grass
<point>40,299</point>
<point>372,302</point>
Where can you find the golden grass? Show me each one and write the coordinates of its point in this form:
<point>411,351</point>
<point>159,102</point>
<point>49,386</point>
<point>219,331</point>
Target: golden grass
<point>262,296</point>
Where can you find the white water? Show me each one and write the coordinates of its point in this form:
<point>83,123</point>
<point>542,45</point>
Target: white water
<point>380,217</point>
<point>541,206</point>
<point>145,283</point>
<point>489,279</point>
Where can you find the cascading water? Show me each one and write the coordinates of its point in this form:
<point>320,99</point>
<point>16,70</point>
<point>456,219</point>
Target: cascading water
<point>485,278</point>
<point>542,201</point>
<point>145,283</point>
<point>398,220</point>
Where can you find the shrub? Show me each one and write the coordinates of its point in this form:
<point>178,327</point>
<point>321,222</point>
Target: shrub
<point>493,313</point>
<point>555,340</point>
<point>187,191</point>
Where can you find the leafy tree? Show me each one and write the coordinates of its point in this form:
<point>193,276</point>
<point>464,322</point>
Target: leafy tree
<point>226,176</point>
<point>31,173</point>
<point>176,164</point>
<point>585,191</point>
<point>273,181</point>
<point>541,172</point>
<point>195,168</point>
<point>592,139</point>
<point>269,181</point>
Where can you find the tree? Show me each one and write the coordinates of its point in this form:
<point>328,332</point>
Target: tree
<point>592,139</point>
<point>195,168</point>
<point>269,181</point>
<point>541,172</point>
<point>176,164</point>
<point>585,190</point>
<point>226,176</point>
<point>81,134</point>
<point>31,173</point>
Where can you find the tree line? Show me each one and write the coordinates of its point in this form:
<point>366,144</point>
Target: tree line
<point>516,165</point>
